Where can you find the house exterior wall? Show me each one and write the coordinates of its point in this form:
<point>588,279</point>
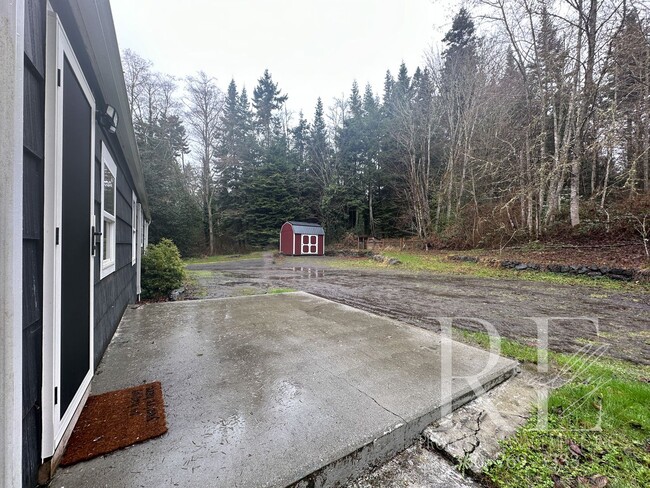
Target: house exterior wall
<point>118,289</point>
<point>321,245</point>
<point>33,170</point>
<point>111,294</point>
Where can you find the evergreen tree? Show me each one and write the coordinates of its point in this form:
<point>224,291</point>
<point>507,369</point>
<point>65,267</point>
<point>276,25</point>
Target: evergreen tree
<point>267,100</point>
<point>355,100</point>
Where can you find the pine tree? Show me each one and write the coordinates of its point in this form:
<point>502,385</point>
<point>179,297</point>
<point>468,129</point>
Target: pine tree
<point>355,100</point>
<point>267,99</point>
<point>389,86</point>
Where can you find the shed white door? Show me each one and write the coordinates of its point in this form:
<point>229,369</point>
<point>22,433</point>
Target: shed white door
<point>309,244</point>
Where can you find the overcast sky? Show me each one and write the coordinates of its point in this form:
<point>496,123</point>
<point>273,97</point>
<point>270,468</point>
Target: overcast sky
<point>311,47</point>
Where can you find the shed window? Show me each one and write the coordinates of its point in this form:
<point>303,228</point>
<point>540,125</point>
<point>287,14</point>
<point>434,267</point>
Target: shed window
<point>309,244</point>
<point>109,177</point>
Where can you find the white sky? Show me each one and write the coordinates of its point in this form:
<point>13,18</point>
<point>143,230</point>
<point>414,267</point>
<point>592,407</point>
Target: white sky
<point>311,47</point>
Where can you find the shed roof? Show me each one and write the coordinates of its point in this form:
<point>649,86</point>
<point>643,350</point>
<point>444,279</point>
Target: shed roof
<point>307,228</point>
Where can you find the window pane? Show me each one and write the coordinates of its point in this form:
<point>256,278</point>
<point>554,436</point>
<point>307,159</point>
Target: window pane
<point>313,249</point>
<point>109,191</point>
<point>305,249</point>
<point>108,239</point>
<point>313,239</point>
<point>105,243</point>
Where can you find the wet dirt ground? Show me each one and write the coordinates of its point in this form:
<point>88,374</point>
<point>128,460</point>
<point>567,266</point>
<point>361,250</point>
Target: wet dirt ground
<point>587,319</point>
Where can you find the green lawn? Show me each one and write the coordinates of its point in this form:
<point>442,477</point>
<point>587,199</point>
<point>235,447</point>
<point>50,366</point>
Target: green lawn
<point>437,263</point>
<point>604,410</point>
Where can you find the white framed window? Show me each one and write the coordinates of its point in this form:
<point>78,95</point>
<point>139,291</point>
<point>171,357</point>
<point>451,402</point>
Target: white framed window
<point>134,227</point>
<point>309,244</point>
<point>109,194</point>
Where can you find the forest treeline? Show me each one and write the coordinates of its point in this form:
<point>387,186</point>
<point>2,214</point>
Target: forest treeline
<point>541,123</point>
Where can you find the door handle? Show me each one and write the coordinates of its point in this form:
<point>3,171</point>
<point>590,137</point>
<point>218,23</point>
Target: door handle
<point>95,241</point>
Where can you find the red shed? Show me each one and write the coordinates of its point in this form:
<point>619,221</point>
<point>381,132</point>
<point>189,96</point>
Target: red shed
<point>302,239</point>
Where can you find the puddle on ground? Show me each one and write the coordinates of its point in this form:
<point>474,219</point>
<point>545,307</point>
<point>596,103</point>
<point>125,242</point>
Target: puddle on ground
<point>309,272</point>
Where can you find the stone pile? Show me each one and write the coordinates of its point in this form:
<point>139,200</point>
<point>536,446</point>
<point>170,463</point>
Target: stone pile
<point>592,271</point>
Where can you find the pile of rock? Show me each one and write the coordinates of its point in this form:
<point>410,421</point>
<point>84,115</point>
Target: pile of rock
<point>386,260</point>
<point>348,253</point>
<point>592,271</point>
<point>465,259</point>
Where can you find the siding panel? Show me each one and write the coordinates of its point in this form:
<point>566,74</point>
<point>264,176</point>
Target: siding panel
<point>35,15</point>
<point>32,196</point>
<point>32,347</point>
<point>32,282</point>
<point>33,143</point>
<point>33,112</point>
<point>117,290</point>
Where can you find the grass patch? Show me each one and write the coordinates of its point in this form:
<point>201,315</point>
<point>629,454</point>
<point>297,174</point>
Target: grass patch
<point>195,274</point>
<point>223,258</point>
<point>192,277</point>
<point>275,291</point>
<point>246,291</point>
<point>603,410</point>
<point>437,263</point>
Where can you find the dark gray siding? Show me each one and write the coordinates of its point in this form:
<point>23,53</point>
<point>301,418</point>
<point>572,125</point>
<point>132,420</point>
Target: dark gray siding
<point>117,290</point>
<point>113,293</point>
<point>33,142</point>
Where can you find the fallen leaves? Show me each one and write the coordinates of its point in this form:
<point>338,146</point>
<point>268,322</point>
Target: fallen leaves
<point>557,482</point>
<point>574,448</point>
<point>596,481</point>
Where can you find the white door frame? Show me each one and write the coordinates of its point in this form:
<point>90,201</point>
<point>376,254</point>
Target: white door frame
<point>57,44</point>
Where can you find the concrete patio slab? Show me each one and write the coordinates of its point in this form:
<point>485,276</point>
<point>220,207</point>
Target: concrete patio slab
<point>274,390</point>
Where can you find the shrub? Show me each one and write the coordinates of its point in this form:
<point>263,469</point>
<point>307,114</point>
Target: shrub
<point>162,269</point>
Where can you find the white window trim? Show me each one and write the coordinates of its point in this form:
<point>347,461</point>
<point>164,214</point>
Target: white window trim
<point>108,265</point>
<point>302,243</point>
<point>134,228</point>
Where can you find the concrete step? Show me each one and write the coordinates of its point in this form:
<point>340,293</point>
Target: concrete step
<point>472,434</point>
<point>416,467</point>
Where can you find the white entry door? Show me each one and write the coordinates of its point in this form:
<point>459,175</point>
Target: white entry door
<point>68,261</point>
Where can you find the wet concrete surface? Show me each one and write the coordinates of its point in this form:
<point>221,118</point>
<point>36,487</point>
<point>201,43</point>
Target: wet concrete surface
<point>272,390</point>
<point>419,298</point>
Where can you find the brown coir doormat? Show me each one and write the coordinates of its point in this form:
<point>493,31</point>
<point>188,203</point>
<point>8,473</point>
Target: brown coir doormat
<point>115,420</point>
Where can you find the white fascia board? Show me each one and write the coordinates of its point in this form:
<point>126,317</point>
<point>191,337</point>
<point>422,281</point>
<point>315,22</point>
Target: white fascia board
<point>11,239</point>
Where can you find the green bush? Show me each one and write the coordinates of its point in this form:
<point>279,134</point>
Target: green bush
<point>162,269</point>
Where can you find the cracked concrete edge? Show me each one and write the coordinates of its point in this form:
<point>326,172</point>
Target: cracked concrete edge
<point>484,443</point>
<point>376,452</point>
